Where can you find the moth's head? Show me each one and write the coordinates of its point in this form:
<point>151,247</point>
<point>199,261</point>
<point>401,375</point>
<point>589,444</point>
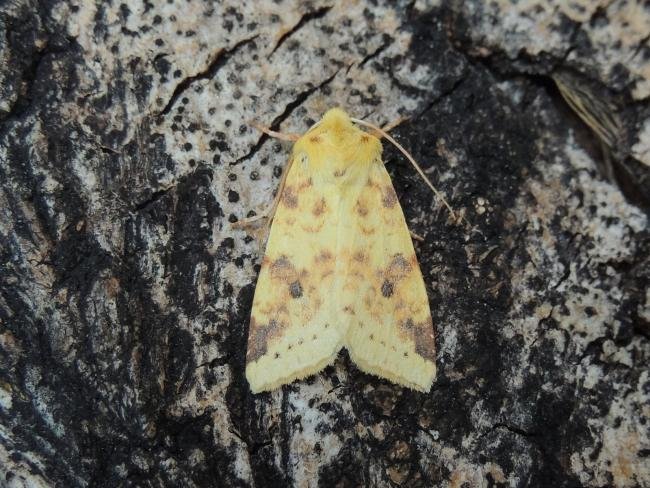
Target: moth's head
<point>336,118</point>
<point>335,139</point>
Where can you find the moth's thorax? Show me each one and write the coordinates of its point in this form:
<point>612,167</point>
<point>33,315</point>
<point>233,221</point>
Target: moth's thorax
<point>336,144</point>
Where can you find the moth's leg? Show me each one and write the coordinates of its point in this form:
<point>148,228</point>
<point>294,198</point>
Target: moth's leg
<point>274,206</point>
<point>269,212</point>
<point>391,125</point>
<point>275,134</point>
<point>416,237</point>
<point>249,221</point>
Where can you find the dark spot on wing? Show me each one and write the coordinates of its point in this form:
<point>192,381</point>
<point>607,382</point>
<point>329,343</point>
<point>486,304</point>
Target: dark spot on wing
<point>387,289</point>
<point>295,289</point>
<point>408,324</point>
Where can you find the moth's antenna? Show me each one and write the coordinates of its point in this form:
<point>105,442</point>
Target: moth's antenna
<point>410,158</point>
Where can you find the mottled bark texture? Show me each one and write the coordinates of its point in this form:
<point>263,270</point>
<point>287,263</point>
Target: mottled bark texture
<point>125,154</point>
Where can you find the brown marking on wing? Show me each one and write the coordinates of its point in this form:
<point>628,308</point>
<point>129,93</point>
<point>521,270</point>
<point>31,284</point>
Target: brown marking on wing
<point>281,311</point>
<point>361,208</point>
<point>319,208</point>
<point>367,230</point>
<point>388,196</point>
<point>289,197</point>
<point>364,138</point>
<point>398,268</point>
<point>422,336</point>
<point>259,337</point>
<point>408,325</point>
<point>425,343</point>
<point>323,263</point>
<point>312,228</point>
<point>349,310</point>
<point>305,184</point>
<point>324,256</point>
<point>282,270</point>
<point>372,183</point>
<point>340,172</point>
<point>314,139</point>
<point>360,257</point>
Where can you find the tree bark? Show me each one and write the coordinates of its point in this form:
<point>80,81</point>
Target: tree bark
<point>126,153</point>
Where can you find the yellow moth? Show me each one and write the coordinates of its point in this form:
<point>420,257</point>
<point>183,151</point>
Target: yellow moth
<point>339,268</point>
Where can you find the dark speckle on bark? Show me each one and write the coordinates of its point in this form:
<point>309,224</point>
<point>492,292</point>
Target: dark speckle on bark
<point>127,150</point>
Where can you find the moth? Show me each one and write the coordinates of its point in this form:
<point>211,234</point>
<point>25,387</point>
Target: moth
<point>339,270</point>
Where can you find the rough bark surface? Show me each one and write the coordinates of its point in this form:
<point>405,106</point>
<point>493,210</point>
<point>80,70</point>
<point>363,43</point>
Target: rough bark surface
<point>125,154</point>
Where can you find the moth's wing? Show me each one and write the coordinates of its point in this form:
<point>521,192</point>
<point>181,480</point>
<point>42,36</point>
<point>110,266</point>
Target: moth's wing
<point>389,331</point>
<point>292,334</point>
